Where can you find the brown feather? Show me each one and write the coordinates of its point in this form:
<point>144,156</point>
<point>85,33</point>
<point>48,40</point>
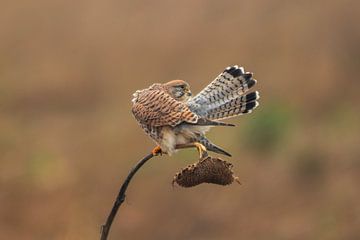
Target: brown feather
<point>162,110</point>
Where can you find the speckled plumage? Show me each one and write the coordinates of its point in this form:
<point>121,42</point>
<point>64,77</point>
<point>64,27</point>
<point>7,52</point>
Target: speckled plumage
<point>171,117</point>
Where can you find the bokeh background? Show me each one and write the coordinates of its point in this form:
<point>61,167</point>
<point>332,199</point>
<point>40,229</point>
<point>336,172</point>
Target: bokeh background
<point>67,73</point>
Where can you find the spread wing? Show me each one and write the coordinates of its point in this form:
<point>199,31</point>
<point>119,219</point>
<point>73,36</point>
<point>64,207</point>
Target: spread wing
<point>157,108</point>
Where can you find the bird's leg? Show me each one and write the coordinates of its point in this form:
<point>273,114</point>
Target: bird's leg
<point>201,148</point>
<point>157,151</point>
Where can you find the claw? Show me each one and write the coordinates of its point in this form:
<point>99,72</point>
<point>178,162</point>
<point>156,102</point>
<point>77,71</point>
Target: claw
<point>201,149</point>
<point>157,151</point>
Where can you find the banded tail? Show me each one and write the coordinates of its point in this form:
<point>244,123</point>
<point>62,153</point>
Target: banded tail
<point>226,96</point>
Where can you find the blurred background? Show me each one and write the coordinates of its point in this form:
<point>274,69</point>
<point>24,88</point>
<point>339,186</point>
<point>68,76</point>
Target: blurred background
<point>67,73</point>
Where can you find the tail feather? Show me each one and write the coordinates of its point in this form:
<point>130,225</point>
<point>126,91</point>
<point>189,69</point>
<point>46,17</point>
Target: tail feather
<point>227,90</point>
<point>212,147</point>
<point>231,83</point>
<point>241,105</point>
<point>250,97</point>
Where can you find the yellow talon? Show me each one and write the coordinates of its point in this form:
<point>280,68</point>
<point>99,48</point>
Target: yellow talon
<point>201,149</point>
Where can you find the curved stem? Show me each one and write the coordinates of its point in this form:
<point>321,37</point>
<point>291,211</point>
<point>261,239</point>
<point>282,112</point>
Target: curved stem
<point>105,228</point>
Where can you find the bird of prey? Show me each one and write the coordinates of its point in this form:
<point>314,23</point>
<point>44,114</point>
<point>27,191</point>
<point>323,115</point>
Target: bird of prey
<point>175,120</point>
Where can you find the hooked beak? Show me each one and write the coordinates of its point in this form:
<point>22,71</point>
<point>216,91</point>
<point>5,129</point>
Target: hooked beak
<point>189,94</point>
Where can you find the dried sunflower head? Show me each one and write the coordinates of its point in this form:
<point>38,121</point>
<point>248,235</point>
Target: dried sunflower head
<point>207,170</point>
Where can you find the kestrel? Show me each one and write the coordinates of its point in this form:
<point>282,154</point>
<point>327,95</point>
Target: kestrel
<point>175,120</point>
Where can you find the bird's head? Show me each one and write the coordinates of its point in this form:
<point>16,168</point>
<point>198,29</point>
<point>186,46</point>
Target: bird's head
<point>178,89</point>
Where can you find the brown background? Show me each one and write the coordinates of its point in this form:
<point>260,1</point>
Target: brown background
<point>68,139</point>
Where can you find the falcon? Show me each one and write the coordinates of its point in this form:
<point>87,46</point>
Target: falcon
<point>175,120</point>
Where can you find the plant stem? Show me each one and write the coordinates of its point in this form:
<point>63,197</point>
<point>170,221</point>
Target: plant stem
<point>105,228</point>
